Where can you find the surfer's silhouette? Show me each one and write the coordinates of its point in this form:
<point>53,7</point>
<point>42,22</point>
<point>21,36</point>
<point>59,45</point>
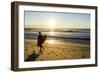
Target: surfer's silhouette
<point>41,40</point>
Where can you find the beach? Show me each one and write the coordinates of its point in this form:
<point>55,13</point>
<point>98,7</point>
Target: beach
<point>56,51</point>
<point>63,35</point>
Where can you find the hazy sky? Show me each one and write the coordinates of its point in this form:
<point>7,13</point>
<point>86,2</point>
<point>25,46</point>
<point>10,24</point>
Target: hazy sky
<point>56,20</point>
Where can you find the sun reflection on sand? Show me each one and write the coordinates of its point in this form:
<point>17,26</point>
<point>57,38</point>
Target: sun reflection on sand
<point>51,41</point>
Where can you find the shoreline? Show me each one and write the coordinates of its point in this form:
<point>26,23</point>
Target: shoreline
<point>31,37</point>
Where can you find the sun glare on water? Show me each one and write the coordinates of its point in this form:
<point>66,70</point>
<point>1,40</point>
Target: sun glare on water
<point>51,23</point>
<point>52,33</point>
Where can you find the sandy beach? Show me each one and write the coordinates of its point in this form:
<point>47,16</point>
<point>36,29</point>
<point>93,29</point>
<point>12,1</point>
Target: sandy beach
<point>57,51</point>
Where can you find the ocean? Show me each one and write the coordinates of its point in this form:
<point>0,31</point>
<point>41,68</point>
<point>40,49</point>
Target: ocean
<point>77,36</point>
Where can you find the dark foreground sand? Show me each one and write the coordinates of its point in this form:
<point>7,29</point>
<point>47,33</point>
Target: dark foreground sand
<point>57,51</point>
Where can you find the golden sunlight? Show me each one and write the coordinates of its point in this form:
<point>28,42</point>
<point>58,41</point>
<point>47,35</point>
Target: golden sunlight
<point>51,23</point>
<point>51,41</point>
<point>52,33</point>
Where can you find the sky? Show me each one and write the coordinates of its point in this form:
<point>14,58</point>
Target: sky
<point>52,20</point>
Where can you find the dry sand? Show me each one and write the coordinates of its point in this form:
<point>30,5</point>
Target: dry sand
<point>57,51</point>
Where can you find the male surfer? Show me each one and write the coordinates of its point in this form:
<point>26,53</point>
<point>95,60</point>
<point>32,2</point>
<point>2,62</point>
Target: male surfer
<point>40,41</point>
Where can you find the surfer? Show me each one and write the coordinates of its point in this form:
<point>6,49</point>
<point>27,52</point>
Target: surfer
<point>40,41</point>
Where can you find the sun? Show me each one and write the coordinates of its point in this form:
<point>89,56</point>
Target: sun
<point>51,23</point>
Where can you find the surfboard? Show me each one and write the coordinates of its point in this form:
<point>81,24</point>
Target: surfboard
<point>42,40</point>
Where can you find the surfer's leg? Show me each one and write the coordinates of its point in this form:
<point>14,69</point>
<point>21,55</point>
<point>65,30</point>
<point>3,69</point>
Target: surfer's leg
<point>41,49</point>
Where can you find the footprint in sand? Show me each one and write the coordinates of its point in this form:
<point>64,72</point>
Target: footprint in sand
<point>41,59</point>
<point>26,49</point>
<point>65,57</point>
<point>49,52</point>
<point>56,55</point>
<point>53,52</point>
<point>60,53</point>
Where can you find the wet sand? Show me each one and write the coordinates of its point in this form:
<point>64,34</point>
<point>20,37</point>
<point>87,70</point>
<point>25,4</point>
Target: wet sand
<point>57,51</point>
